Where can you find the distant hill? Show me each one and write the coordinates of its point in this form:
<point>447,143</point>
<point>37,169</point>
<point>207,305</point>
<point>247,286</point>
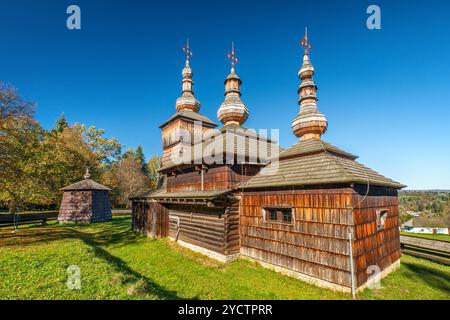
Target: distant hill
<point>426,203</point>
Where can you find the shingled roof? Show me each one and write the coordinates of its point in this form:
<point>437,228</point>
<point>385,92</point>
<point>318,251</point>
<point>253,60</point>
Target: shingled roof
<point>245,143</point>
<point>191,115</point>
<point>312,146</point>
<point>313,163</point>
<point>207,195</point>
<point>86,184</point>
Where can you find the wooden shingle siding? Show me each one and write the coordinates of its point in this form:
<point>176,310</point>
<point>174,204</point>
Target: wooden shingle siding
<point>76,207</point>
<point>214,178</point>
<point>373,247</point>
<point>101,206</point>
<point>316,244</point>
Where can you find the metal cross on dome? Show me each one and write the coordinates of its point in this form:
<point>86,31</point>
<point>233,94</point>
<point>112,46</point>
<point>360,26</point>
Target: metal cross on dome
<point>232,56</point>
<point>187,50</point>
<point>305,43</point>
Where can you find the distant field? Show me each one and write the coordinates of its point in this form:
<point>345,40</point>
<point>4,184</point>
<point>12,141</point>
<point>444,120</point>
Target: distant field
<point>439,237</point>
<point>117,264</point>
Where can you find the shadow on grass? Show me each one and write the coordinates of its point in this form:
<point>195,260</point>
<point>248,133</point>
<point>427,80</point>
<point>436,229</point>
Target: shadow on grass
<point>116,232</point>
<point>121,266</point>
<point>434,278</point>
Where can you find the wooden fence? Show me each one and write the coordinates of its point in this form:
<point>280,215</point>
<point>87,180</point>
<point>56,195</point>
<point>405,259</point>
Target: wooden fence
<point>27,218</point>
<point>438,251</point>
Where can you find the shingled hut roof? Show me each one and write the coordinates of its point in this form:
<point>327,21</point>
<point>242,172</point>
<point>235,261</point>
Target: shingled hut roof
<point>86,184</point>
<point>315,163</point>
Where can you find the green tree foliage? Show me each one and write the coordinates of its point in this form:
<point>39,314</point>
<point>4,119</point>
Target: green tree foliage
<point>105,149</point>
<point>153,166</point>
<point>35,163</point>
<point>129,153</point>
<point>20,136</point>
<point>61,124</point>
<point>141,158</point>
<point>126,179</point>
<point>427,204</point>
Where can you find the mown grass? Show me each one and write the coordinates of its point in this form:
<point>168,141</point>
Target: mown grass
<point>117,264</point>
<point>438,237</point>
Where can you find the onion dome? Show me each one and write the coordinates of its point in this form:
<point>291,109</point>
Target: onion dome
<point>309,123</point>
<point>187,100</point>
<point>232,110</point>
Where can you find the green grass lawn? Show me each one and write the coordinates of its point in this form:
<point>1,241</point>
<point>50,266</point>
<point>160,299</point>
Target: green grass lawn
<point>439,237</point>
<point>117,264</point>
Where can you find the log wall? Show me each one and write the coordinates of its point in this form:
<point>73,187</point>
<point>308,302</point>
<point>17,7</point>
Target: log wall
<point>201,226</point>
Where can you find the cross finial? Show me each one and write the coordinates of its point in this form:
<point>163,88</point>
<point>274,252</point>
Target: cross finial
<point>305,43</point>
<point>232,56</point>
<point>87,175</point>
<point>187,51</point>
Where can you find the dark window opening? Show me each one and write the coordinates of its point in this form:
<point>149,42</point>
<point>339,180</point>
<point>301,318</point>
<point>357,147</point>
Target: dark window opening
<point>281,215</point>
<point>381,218</point>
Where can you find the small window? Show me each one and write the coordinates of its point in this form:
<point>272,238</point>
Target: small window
<point>287,216</point>
<point>279,215</point>
<point>273,215</point>
<point>381,218</point>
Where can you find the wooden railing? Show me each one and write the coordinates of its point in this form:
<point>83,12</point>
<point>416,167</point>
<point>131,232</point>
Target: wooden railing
<point>25,218</point>
<point>438,251</point>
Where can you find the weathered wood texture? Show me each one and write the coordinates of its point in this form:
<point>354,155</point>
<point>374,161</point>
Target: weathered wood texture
<point>232,237</point>
<point>315,244</point>
<point>150,218</point>
<point>172,133</point>
<point>101,206</point>
<point>214,229</point>
<point>374,249</point>
<point>85,206</point>
<point>435,245</point>
<point>214,178</point>
<point>201,226</point>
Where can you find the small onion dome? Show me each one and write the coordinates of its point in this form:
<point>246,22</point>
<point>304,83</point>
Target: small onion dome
<point>307,69</point>
<point>310,124</point>
<point>232,110</point>
<point>187,100</point>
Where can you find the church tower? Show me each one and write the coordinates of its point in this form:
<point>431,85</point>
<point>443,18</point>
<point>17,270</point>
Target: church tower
<point>187,125</point>
<point>232,110</point>
<point>309,123</point>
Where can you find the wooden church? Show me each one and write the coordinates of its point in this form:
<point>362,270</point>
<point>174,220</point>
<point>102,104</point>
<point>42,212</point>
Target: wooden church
<point>310,211</point>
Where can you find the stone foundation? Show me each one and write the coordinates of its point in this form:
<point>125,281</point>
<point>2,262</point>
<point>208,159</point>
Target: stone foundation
<point>206,252</point>
<point>300,276</point>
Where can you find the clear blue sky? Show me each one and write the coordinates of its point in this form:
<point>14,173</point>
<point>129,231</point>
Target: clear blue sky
<point>386,92</point>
